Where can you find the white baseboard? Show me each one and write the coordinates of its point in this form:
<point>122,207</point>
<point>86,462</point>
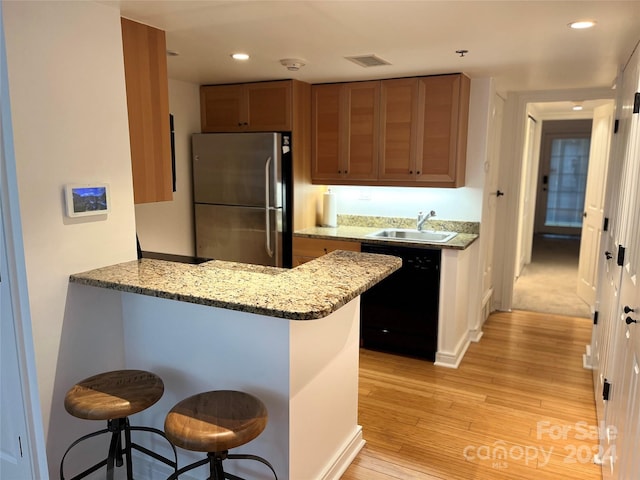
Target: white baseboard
<point>475,335</point>
<point>587,362</point>
<point>345,456</point>
<point>452,360</point>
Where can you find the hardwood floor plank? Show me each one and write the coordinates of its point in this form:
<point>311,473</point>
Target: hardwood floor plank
<point>518,407</point>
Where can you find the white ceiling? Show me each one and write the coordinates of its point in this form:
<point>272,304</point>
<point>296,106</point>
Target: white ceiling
<point>524,45</point>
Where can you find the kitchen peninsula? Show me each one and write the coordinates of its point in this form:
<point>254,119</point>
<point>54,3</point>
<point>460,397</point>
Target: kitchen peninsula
<point>290,337</point>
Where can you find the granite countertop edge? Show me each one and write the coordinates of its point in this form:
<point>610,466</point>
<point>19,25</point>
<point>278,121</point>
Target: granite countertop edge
<point>308,292</point>
<point>359,234</point>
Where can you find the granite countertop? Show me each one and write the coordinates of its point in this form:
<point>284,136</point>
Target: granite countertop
<point>310,291</point>
<point>359,234</point>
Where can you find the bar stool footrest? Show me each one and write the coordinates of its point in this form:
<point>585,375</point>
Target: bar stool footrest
<point>116,450</point>
<point>246,456</point>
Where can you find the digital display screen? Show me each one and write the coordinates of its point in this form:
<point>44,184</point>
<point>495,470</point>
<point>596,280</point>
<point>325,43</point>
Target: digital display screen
<point>87,200</point>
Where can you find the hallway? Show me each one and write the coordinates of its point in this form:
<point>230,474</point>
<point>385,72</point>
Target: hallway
<point>549,283</point>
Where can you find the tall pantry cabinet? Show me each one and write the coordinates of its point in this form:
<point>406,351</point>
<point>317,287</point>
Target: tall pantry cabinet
<point>147,85</point>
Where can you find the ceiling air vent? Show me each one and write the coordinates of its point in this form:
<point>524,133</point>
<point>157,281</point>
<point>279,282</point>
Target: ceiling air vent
<point>368,60</point>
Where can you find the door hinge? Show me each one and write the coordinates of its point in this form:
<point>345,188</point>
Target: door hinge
<point>605,227</point>
<point>595,317</point>
<point>636,103</point>
<point>606,390</point>
<point>616,125</point>
<point>621,250</point>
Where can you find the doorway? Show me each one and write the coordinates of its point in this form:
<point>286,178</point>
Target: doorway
<point>552,258</point>
<point>562,179</point>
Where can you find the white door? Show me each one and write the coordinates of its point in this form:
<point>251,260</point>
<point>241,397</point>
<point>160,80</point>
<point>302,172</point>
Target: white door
<point>594,202</point>
<point>616,340</point>
<point>527,199</point>
<point>492,194</point>
<point>628,372</point>
<point>14,445</point>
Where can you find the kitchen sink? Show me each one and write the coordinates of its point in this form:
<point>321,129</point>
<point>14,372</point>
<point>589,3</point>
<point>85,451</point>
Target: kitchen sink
<point>408,235</point>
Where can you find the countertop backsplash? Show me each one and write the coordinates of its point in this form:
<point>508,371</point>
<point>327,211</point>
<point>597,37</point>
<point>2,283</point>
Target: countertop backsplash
<point>397,222</point>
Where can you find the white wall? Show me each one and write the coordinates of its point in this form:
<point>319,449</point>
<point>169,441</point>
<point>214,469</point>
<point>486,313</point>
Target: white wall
<point>167,227</point>
<point>462,204</point>
<point>68,101</point>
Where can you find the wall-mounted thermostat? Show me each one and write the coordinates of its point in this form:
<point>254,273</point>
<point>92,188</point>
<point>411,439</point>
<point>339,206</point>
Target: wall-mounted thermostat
<point>89,199</point>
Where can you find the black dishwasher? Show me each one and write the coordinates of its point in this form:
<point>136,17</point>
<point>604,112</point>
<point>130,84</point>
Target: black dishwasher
<point>400,314</point>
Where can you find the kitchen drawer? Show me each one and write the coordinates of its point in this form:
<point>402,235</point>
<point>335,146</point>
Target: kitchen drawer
<point>305,249</point>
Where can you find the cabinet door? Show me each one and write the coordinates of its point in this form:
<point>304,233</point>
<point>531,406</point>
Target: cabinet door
<point>145,67</point>
<point>251,107</point>
<point>269,106</point>
<point>222,108</point>
<point>362,130</point>
<point>306,249</point>
<point>326,124</point>
<point>398,129</point>
<point>443,115</point>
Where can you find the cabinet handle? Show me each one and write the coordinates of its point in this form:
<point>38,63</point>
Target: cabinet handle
<point>418,172</point>
<point>411,172</point>
<point>608,255</point>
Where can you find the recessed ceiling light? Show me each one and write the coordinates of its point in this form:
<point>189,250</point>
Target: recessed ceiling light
<point>577,106</point>
<point>582,24</point>
<point>240,56</point>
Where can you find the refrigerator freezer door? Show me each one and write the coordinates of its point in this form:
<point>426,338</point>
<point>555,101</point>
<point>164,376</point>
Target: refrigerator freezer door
<point>237,169</point>
<point>239,234</point>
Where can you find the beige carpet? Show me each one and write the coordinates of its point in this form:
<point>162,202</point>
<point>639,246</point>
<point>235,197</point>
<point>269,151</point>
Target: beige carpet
<point>548,284</point>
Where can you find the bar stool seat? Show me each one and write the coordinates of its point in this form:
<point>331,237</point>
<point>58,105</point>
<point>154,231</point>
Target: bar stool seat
<point>215,422</point>
<point>114,396</point>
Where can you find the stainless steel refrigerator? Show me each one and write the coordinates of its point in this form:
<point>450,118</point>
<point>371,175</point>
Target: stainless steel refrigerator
<point>242,196</point>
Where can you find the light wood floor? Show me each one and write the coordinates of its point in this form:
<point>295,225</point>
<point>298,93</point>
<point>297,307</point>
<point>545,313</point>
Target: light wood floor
<point>521,390</point>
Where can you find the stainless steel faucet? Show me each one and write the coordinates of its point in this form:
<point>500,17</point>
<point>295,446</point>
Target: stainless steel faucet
<point>423,218</point>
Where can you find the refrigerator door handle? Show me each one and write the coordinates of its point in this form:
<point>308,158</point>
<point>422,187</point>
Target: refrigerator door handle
<point>267,208</point>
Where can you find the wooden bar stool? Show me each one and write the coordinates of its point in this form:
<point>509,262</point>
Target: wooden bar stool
<point>113,396</point>
<point>215,422</point>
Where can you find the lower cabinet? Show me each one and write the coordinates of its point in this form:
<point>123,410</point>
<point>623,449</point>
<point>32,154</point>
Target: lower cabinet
<point>306,249</point>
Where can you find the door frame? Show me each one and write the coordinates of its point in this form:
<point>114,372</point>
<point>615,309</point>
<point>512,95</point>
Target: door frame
<point>517,109</point>
<point>17,277</point>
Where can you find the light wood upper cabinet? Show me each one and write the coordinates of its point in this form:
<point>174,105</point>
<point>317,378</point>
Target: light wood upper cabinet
<point>145,67</point>
<point>345,130</point>
<point>249,107</point>
<point>419,127</point>
<point>398,129</point>
<point>327,159</point>
<point>442,134</point>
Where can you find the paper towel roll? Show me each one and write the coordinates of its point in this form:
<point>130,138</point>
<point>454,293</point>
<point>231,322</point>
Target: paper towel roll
<point>329,213</point>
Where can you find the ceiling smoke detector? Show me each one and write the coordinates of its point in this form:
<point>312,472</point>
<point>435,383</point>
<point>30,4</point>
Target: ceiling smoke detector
<point>368,60</point>
<point>293,64</point>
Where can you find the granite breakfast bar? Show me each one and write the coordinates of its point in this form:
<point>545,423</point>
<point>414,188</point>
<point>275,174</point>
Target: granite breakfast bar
<point>290,337</point>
